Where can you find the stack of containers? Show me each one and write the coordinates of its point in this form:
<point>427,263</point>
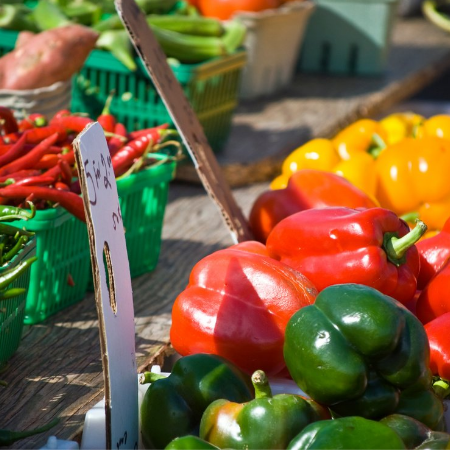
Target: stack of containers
<point>348,37</point>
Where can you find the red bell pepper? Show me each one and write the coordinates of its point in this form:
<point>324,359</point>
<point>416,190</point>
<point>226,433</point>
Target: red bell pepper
<point>342,245</point>
<point>434,252</point>
<point>439,337</point>
<point>306,189</point>
<point>434,300</point>
<point>237,305</point>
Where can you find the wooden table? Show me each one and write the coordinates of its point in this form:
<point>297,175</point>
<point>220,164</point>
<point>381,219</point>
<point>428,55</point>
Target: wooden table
<point>57,368</point>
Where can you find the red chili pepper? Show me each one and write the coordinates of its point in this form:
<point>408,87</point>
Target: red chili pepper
<point>75,187</point>
<point>66,171</point>
<point>124,158</point>
<point>36,135</point>
<point>106,119</point>
<point>20,175</point>
<point>434,252</point>
<point>8,122</point>
<point>29,160</point>
<point>434,300</point>
<point>61,113</point>
<point>15,152</point>
<point>71,123</point>
<point>47,161</point>
<point>32,121</point>
<point>68,200</point>
<point>439,338</point>
<point>61,186</point>
<point>139,133</point>
<point>338,245</point>
<point>35,181</point>
<point>115,143</point>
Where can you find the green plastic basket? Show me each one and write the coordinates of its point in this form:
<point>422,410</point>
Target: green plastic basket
<point>211,87</point>
<point>143,199</point>
<point>348,37</point>
<point>12,311</point>
<point>63,255</point>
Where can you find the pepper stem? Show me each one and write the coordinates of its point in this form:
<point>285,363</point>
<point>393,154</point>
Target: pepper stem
<point>396,247</point>
<point>442,388</point>
<point>261,385</point>
<point>150,377</point>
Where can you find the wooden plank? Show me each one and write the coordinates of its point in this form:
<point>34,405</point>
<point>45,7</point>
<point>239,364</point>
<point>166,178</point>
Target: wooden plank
<point>265,131</point>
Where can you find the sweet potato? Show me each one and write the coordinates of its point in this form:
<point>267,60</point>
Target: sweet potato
<point>48,57</point>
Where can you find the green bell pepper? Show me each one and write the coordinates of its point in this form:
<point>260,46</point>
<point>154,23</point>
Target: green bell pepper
<point>266,422</point>
<point>173,406</point>
<point>189,443</point>
<point>415,434</point>
<point>362,353</point>
<point>346,433</point>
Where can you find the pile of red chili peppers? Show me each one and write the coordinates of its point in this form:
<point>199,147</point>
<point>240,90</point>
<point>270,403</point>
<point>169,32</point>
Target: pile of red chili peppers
<point>37,161</point>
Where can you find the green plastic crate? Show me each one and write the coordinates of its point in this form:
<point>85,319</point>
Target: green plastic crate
<point>143,199</point>
<point>12,311</point>
<point>348,37</point>
<point>211,87</point>
<point>63,255</point>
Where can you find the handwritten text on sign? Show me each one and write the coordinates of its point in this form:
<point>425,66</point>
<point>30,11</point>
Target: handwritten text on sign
<point>112,283</point>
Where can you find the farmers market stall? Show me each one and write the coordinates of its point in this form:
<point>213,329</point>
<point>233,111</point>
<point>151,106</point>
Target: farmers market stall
<point>57,369</point>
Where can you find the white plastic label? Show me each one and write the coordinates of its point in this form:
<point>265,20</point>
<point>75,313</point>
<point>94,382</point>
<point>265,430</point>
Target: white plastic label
<point>112,282</point>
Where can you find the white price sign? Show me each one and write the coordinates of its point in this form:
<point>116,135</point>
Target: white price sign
<point>112,282</point>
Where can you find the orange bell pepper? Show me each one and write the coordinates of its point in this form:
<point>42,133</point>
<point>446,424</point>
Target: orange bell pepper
<point>438,125</point>
<point>306,189</point>
<point>358,137</point>
<point>412,176</point>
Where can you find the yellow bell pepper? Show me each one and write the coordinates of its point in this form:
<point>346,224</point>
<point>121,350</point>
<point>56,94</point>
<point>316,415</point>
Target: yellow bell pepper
<point>317,154</point>
<point>359,137</point>
<point>412,176</point>
<point>360,171</point>
<point>400,125</point>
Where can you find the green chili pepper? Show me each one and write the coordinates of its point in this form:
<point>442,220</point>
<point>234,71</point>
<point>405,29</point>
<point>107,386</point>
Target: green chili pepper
<point>8,437</point>
<point>6,278</point>
<point>13,231</point>
<point>14,213</point>
<point>11,293</point>
<point>15,249</point>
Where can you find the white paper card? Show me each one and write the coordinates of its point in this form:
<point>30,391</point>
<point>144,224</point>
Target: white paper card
<point>115,305</point>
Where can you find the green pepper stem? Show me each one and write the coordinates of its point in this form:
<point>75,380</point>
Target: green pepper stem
<point>261,385</point>
<point>442,388</point>
<point>396,247</point>
<point>410,217</point>
<point>150,377</point>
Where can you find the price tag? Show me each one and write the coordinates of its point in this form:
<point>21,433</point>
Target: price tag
<point>184,117</point>
<point>112,283</point>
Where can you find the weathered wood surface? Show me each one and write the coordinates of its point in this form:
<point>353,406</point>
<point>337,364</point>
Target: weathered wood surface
<point>265,131</point>
<point>57,369</point>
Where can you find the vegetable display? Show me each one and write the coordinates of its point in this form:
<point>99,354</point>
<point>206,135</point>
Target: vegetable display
<point>371,247</point>
<point>268,421</point>
<point>37,161</point>
<point>361,353</point>
<point>236,305</point>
